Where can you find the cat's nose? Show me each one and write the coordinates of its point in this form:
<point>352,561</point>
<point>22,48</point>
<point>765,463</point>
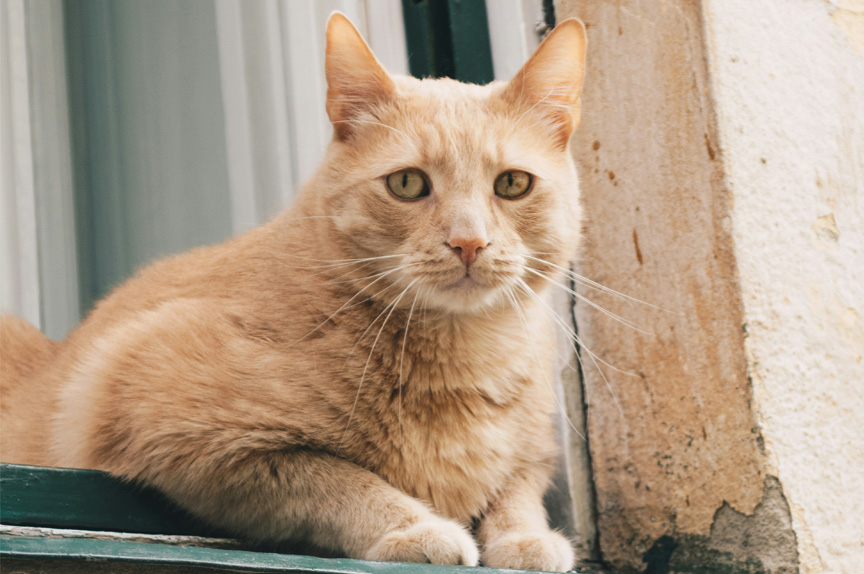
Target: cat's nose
<point>467,248</point>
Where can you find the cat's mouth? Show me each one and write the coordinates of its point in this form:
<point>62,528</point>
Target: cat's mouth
<point>470,282</point>
<point>468,291</point>
<point>466,282</point>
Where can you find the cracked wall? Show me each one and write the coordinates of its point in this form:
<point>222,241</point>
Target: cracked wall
<point>676,438</point>
<point>690,434</point>
<point>788,80</point>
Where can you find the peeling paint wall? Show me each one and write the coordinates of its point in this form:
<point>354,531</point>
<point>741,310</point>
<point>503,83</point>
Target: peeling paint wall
<point>722,160</point>
<point>672,432</point>
<point>788,80</point>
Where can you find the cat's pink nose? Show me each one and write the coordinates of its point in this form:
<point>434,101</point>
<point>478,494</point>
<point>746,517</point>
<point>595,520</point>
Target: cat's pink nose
<point>467,248</point>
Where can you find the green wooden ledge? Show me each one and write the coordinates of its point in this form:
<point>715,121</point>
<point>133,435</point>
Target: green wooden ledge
<point>47,549</point>
<point>87,500</point>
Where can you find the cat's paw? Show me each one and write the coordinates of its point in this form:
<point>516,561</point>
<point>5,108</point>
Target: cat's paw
<point>547,551</point>
<point>439,542</point>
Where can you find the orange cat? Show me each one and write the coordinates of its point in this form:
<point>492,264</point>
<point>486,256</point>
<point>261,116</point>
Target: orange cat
<point>370,371</point>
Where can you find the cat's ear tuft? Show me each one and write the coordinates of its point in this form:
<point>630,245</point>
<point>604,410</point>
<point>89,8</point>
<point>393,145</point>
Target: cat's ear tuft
<point>356,80</point>
<point>550,83</point>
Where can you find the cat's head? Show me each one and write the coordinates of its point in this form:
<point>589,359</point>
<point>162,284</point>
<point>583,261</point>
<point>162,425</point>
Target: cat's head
<point>455,192</point>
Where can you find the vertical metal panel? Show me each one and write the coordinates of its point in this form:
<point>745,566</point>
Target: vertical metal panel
<point>151,155</point>
<point>38,250</point>
<point>52,167</point>
<point>272,65</point>
<point>449,39</point>
<point>417,38</point>
<point>175,108</point>
<point>513,34</point>
<point>385,32</point>
<point>232,64</point>
<point>472,57</point>
<point>19,263</point>
<point>303,35</point>
<point>255,95</point>
<point>89,56</point>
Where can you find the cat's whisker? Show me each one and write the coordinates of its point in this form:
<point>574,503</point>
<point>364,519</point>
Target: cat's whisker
<point>581,297</point>
<point>312,217</point>
<point>575,337</point>
<point>335,281</point>
<point>574,340</point>
<point>392,307</point>
<point>398,131</point>
<point>340,262</point>
<point>349,271</point>
<point>372,324</point>
<point>402,361</point>
<point>344,305</point>
<point>253,223</point>
<point>426,305</point>
<point>588,282</point>
<point>351,260</point>
<point>339,281</point>
<point>510,294</point>
<point>538,102</point>
<point>598,286</point>
<point>371,297</point>
<point>326,269</point>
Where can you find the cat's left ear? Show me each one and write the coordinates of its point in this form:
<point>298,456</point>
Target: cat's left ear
<point>550,83</point>
<point>356,80</point>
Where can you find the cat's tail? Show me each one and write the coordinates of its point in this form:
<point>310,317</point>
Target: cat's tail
<point>24,352</point>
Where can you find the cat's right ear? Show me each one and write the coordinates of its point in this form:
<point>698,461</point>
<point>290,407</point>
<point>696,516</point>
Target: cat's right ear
<point>549,85</point>
<point>356,80</point>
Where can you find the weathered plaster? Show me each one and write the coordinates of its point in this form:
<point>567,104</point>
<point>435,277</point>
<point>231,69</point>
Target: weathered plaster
<point>676,440</point>
<point>757,543</point>
<point>722,160</point>
<point>848,15</point>
<point>788,79</point>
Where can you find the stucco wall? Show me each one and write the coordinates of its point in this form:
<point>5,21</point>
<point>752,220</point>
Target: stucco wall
<point>788,80</point>
<point>722,163</point>
<point>675,439</point>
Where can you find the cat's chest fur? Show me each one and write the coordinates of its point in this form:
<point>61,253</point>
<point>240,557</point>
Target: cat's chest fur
<point>466,418</point>
<point>455,461</point>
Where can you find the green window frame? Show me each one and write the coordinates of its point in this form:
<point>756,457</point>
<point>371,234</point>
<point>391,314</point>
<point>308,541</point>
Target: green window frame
<point>448,38</point>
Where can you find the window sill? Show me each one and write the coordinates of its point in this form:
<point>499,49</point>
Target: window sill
<point>56,520</point>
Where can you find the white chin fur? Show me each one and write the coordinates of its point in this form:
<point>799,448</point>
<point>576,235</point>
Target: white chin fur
<point>465,301</point>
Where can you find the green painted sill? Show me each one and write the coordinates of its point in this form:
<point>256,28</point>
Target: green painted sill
<point>47,549</point>
<point>93,510</point>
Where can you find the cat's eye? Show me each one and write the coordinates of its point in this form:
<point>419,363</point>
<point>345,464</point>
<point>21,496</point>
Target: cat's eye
<point>408,184</point>
<point>513,184</point>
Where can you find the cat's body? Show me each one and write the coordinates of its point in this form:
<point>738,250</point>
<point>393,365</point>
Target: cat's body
<point>320,376</point>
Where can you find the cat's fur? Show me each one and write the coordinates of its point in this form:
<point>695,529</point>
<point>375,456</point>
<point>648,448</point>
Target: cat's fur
<point>226,378</point>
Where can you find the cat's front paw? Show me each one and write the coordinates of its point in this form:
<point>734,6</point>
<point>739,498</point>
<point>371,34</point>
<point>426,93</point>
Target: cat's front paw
<point>439,542</point>
<point>547,551</point>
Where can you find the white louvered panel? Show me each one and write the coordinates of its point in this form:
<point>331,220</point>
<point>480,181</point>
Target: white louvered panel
<point>260,158</point>
<point>302,34</point>
<point>385,32</point>
<point>512,33</point>
<point>19,262</point>
<point>39,260</point>
<point>274,89</point>
<point>238,128</point>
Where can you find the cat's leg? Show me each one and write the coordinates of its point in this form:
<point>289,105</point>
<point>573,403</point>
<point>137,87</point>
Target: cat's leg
<point>182,399</point>
<point>328,501</point>
<point>514,532</point>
